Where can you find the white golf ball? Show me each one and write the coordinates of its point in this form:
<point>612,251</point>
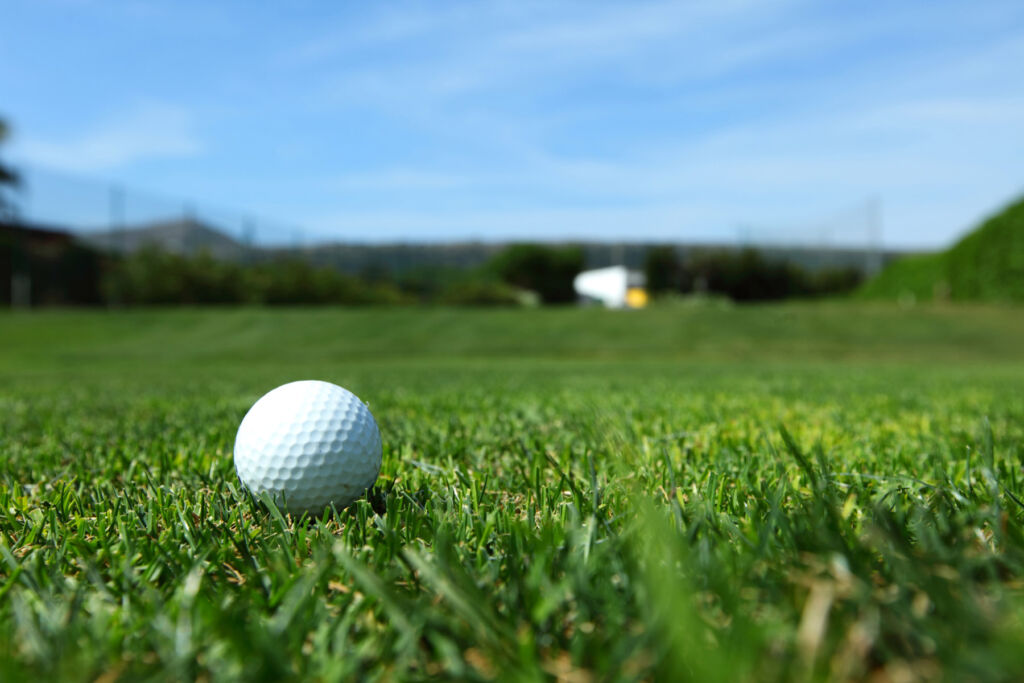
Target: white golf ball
<point>308,444</point>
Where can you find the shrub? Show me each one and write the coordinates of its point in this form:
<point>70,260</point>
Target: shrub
<point>154,277</point>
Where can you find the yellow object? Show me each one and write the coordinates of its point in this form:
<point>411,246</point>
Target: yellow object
<point>636,297</point>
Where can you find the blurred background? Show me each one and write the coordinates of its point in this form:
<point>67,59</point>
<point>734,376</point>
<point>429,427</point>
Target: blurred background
<point>509,153</point>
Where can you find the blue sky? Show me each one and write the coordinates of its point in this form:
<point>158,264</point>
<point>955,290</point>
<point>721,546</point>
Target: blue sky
<point>496,120</point>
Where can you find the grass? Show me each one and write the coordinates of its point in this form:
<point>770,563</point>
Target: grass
<point>920,277</point>
<point>805,492</point>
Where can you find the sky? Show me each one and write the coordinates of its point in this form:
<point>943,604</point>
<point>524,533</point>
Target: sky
<point>758,120</point>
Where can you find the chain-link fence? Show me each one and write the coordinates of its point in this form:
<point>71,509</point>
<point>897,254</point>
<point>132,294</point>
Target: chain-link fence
<point>78,240</point>
<point>104,212</point>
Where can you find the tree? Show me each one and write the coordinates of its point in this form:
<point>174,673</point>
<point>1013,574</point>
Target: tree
<point>8,177</point>
<point>548,271</point>
<point>663,270</point>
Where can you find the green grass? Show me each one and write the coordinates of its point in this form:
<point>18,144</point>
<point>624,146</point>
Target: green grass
<point>916,278</point>
<point>790,492</point>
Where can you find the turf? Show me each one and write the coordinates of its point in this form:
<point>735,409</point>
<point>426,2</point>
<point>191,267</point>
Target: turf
<point>827,491</point>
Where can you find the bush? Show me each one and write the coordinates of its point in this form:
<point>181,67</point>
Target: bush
<point>480,293</point>
<point>154,277</point>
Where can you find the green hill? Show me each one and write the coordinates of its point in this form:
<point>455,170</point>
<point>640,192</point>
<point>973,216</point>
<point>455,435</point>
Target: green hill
<point>985,265</point>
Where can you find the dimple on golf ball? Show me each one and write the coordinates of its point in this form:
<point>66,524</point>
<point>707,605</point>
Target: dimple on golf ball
<point>308,444</point>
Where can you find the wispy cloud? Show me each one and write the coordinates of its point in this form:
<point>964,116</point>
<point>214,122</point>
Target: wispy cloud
<point>387,27</point>
<point>399,179</point>
<point>788,178</point>
<point>649,118</point>
<point>493,48</point>
<point>146,131</point>
<point>763,112</point>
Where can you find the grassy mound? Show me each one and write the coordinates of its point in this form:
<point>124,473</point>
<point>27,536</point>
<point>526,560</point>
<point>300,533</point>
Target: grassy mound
<point>986,265</point>
<point>921,277</point>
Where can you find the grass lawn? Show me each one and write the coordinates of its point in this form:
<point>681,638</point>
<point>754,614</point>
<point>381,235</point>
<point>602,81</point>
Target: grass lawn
<point>827,491</point>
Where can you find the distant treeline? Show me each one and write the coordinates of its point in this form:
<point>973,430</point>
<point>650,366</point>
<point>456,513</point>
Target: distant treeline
<point>43,267</point>
<point>517,274</point>
<point>61,271</point>
<point>153,277</point>
<point>743,276</point>
<point>400,258</point>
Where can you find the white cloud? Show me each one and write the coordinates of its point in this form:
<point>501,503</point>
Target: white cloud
<point>774,112</point>
<point>149,130</point>
<point>646,118</point>
<point>492,48</point>
<point>790,178</point>
<point>399,179</point>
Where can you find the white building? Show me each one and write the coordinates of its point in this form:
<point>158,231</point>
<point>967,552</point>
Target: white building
<point>615,287</point>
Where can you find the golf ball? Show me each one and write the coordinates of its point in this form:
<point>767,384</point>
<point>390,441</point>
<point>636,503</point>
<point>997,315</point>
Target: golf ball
<point>308,444</point>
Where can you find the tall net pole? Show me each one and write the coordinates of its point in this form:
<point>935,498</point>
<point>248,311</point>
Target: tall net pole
<point>874,228</point>
<point>116,209</point>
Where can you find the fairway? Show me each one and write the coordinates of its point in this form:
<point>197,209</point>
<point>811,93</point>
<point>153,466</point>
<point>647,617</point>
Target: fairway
<point>691,492</point>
